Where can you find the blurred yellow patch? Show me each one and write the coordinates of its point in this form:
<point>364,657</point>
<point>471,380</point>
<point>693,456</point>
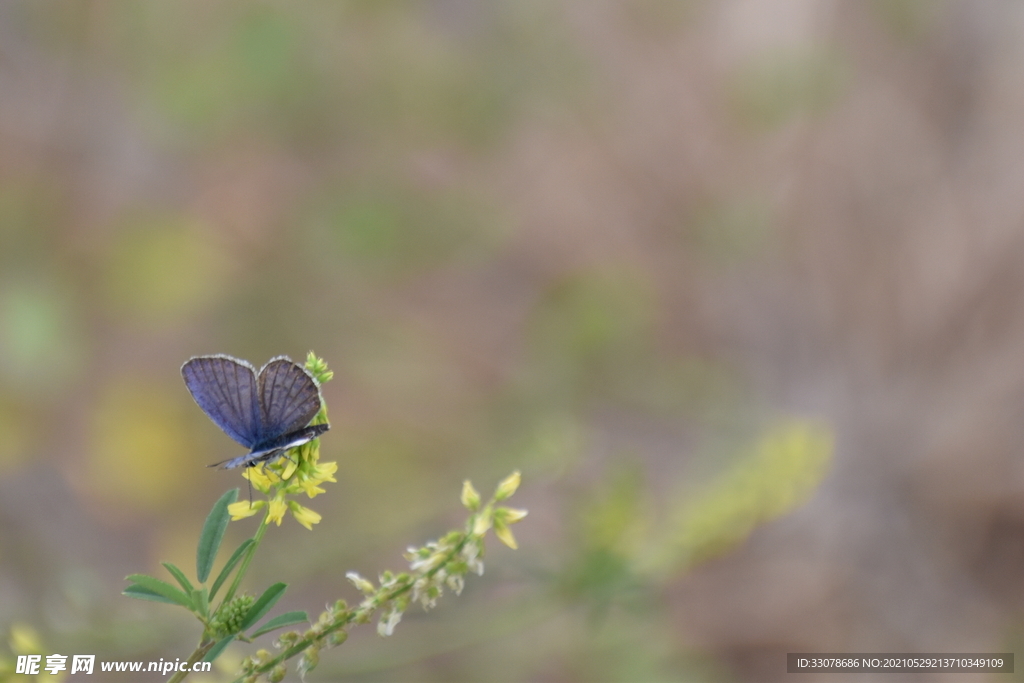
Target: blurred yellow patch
<point>615,520</point>
<point>24,640</point>
<point>139,446</point>
<point>164,270</point>
<point>784,468</point>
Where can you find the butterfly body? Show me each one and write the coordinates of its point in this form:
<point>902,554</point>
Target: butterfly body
<point>267,412</point>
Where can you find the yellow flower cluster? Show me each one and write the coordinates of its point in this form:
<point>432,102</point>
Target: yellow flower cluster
<point>299,472</point>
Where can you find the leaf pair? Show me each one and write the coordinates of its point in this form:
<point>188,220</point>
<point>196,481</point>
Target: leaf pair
<point>197,600</point>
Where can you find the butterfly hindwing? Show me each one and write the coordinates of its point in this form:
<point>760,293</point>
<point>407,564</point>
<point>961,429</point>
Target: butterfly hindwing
<point>289,397</point>
<point>226,390</point>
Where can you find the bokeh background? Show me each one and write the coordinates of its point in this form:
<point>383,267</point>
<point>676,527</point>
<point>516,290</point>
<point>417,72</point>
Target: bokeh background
<point>738,286</point>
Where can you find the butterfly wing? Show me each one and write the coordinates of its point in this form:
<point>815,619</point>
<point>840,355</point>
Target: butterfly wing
<point>225,388</point>
<point>289,397</point>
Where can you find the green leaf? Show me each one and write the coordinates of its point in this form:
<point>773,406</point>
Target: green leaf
<point>180,576</point>
<point>200,600</point>
<point>226,571</point>
<point>263,605</point>
<point>161,588</point>
<point>140,593</point>
<point>217,649</point>
<point>213,534</point>
<point>286,619</point>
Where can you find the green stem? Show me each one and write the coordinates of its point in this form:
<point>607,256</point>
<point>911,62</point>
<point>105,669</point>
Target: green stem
<point>248,558</point>
<point>196,655</point>
<point>205,645</point>
<point>357,616</point>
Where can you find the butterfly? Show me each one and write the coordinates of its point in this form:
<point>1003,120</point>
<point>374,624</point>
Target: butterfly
<point>268,412</point>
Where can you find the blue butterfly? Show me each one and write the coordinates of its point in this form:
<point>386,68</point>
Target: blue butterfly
<point>268,413</point>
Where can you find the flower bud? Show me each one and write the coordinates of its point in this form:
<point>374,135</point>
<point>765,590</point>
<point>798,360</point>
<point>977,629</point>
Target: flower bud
<point>470,497</point>
<point>362,584</point>
<point>507,486</point>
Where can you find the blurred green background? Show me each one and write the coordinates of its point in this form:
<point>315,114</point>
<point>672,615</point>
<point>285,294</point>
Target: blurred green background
<point>737,285</point>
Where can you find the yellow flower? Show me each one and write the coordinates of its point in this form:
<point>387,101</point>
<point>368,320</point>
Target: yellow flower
<point>304,515</point>
<point>310,483</point>
<point>290,465</point>
<point>261,478</point>
<point>277,509</point>
<point>311,489</point>
<point>325,471</point>
<point>244,508</point>
<point>502,518</point>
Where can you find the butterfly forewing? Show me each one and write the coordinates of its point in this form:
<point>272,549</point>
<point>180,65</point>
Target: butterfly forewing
<point>289,397</point>
<point>267,413</point>
<point>225,388</point>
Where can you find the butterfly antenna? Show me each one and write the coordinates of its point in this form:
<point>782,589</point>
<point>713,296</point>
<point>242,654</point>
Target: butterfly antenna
<point>249,482</point>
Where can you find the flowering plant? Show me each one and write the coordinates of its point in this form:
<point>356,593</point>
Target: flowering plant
<point>432,568</point>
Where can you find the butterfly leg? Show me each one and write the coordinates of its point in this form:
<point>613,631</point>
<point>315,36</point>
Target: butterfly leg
<point>270,458</point>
